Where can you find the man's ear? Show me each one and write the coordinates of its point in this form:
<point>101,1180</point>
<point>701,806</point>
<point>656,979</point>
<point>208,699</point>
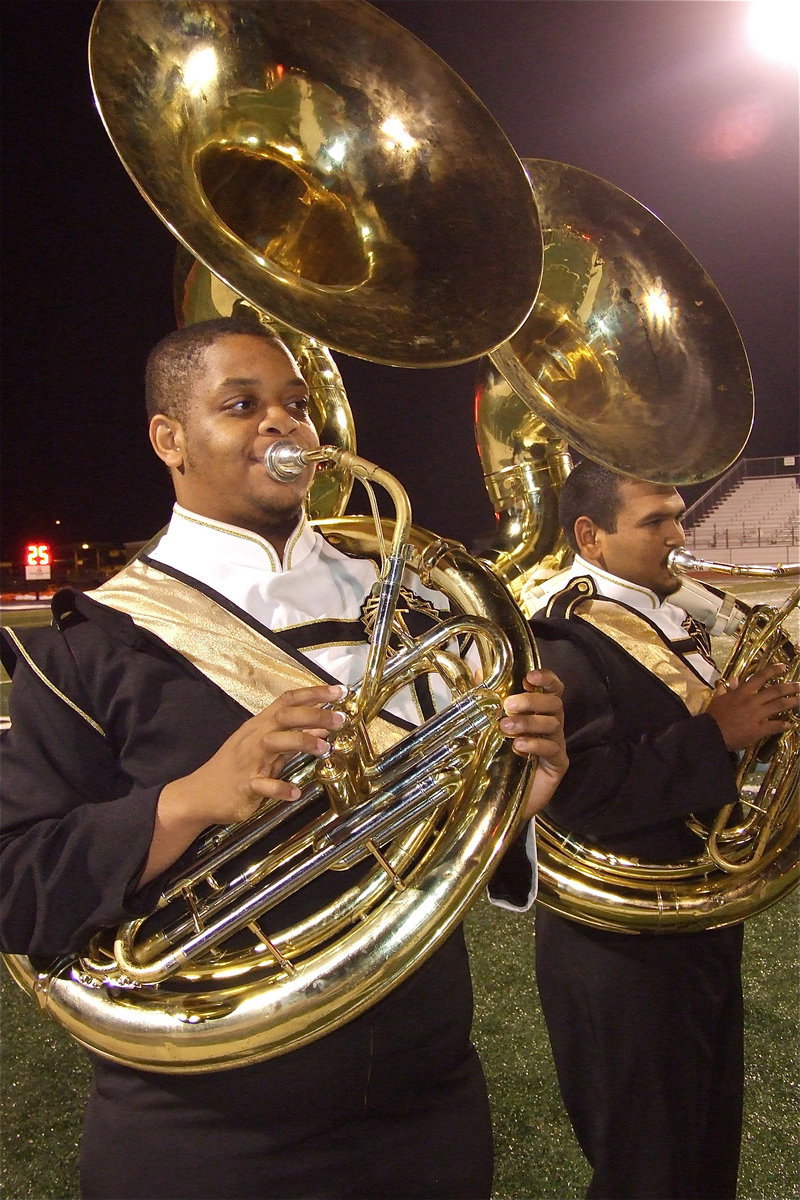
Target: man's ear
<point>167,439</point>
<point>586,536</point>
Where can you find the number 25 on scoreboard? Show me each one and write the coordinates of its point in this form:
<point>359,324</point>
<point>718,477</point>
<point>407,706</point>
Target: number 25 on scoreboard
<point>37,554</point>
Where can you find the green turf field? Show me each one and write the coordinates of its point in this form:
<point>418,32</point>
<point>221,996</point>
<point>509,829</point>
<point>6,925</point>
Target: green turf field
<point>45,1074</point>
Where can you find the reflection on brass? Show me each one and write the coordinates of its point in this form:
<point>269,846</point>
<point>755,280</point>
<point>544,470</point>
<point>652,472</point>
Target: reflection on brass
<point>524,464</point>
<point>630,354</point>
<point>327,166</point>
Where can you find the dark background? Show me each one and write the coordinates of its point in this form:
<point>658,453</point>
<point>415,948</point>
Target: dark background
<point>667,100</point>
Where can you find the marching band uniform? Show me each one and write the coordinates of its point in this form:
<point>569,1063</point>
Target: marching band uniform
<point>140,683</point>
<point>646,1029</point>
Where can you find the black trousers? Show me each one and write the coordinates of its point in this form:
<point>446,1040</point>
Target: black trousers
<point>392,1106</point>
<point>647,1038</point>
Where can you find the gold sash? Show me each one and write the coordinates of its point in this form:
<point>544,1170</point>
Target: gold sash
<point>226,649</point>
<point>642,641</point>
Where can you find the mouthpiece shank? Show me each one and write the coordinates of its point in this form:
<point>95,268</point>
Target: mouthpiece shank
<point>681,560</point>
<point>718,611</point>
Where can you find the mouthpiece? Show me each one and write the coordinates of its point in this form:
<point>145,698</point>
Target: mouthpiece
<point>284,461</point>
<point>680,560</point>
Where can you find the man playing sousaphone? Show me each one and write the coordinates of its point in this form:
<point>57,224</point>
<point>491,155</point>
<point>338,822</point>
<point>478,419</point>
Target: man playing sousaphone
<point>126,744</point>
<point>646,1026</point>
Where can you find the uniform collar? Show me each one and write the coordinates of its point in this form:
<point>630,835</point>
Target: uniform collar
<point>670,618</point>
<point>202,547</point>
<point>613,588</point>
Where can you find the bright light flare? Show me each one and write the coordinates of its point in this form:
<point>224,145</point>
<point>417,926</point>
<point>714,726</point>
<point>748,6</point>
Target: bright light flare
<point>658,306</point>
<point>337,150</point>
<point>397,135</point>
<point>200,69</point>
<point>774,29</point>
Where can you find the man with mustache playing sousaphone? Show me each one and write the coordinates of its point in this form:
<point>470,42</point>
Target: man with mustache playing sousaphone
<point>131,736</point>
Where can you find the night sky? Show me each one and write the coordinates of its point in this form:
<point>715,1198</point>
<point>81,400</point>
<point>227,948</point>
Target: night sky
<point>666,100</point>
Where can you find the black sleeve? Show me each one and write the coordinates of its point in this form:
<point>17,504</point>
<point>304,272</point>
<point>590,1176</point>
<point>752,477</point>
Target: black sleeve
<point>637,757</point>
<point>75,829</point>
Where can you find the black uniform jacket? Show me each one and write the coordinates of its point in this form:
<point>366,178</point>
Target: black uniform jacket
<point>103,715</point>
<point>640,762</point>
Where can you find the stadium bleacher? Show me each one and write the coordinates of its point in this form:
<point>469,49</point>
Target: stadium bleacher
<point>751,515</point>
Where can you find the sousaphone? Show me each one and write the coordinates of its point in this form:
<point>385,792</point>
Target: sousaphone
<point>331,171</point>
<point>631,357</point>
<point>327,166</point>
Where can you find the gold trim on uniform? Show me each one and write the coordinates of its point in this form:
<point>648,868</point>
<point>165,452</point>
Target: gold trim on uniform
<point>48,683</point>
<point>226,649</point>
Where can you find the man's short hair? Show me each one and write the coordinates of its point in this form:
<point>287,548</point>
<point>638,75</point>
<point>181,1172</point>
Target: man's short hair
<point>590,491</point>
<point>172,363</point>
